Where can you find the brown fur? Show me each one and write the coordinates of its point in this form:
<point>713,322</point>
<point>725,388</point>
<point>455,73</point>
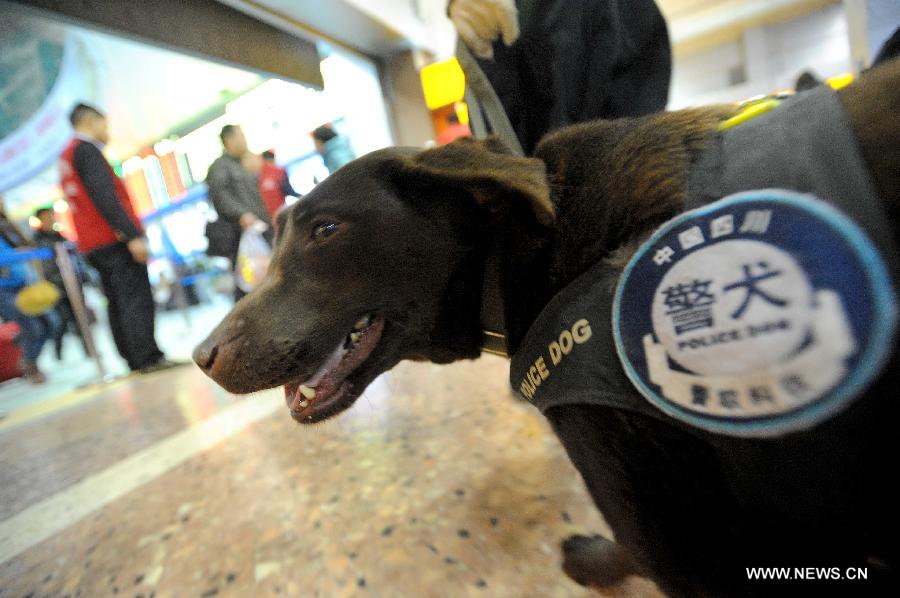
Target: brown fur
<point>875,120</point>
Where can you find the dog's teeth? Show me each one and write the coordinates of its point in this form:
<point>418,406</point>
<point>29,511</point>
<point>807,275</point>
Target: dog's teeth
<point>304,404</point>
<point>362,323</point>
<point>309,393</point>
<point>354,337</point>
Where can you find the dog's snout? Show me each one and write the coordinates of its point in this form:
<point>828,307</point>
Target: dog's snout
<point>219,340</point>
<point>205,354</point>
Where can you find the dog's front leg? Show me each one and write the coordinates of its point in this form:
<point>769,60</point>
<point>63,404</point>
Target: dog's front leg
<point>662,493</point>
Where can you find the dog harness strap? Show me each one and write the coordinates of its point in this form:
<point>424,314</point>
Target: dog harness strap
<point>487,100</point>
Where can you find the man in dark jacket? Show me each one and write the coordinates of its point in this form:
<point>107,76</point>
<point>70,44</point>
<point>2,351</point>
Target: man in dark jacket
<point>111,238</point>
<point>234,190</point>
<point>567,61</point>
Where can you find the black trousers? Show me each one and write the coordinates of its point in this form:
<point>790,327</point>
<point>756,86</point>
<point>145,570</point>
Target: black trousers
<point>131,310</point>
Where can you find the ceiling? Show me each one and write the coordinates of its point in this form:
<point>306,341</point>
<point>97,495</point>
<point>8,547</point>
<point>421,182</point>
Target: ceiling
<point>383,26</point>
<point>696,25</point>
<point>146,93</point>
<point>150,91</point>
<point>678,9</point>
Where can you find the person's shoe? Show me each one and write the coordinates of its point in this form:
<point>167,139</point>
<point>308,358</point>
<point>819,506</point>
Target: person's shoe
<point>32,373</point>
<point>162,364</point>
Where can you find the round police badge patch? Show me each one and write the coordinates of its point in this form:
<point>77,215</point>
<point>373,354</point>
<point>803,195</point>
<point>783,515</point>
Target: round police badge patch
<point>762,313</point>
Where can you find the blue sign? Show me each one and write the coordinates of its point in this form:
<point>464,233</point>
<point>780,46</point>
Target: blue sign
<point>763,313</point>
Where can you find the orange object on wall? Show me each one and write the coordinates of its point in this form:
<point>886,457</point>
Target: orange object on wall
<point>140,191</point>
<point>444,126</point>
<point>169,166</point>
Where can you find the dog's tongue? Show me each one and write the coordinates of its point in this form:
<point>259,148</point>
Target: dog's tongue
<point>340,363</point>
<point>330,364</point>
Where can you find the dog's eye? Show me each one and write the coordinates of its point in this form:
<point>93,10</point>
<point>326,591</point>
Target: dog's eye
<point>323,230</point>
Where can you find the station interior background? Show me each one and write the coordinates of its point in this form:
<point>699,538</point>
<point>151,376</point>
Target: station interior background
<point>165,107</point>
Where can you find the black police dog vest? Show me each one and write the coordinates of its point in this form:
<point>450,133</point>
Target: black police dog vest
<point>767,308</point>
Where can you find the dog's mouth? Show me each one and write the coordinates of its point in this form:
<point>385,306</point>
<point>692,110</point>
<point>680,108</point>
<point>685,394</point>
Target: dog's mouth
<point>328,390</point>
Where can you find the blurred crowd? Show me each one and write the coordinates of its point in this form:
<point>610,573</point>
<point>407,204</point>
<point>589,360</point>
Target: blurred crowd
<point>111,252</point>
<point>533,55</point>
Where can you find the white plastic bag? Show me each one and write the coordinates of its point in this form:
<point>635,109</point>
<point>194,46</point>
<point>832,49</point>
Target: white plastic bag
<point>253,258</point>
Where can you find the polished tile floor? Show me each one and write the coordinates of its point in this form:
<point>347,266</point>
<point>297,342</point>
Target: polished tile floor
<point>177,333</point>
<point>437,483</point>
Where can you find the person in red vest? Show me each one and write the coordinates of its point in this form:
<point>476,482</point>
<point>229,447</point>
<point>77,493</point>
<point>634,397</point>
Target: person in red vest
<point>111,238</point>
<point>274,185</point>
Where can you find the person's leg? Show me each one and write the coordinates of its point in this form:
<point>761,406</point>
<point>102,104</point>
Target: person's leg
<point>138,303</point>
<point>238,291</point>
<point>32,336</point>
<point>48,326</point>
<point>61,329</point>
<point>108,261</point>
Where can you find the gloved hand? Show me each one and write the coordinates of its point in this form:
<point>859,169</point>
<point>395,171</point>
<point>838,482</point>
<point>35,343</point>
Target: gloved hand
<point>479,22</point>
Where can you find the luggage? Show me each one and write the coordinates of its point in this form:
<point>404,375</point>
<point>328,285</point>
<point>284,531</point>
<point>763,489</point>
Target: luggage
<point>10,353</point>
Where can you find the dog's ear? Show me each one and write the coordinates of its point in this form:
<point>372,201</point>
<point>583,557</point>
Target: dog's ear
<point>494,178</point>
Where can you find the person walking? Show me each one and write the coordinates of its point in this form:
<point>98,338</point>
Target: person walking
<point>111,238</point>
<point>335,149</point>
<point>234,191</point>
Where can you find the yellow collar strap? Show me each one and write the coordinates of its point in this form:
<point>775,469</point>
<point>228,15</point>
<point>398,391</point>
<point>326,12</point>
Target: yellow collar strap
<point>755,106</point>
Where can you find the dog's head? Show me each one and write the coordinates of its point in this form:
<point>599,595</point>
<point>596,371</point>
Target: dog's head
<point>380,262</point>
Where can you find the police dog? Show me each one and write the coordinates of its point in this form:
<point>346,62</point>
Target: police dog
<point>384,261</point>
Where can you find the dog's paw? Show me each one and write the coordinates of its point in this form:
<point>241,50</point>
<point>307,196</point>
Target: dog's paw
<point>595,561</point>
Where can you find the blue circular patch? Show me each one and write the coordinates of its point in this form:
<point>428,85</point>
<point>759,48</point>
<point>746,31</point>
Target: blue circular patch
<point>762,313</point>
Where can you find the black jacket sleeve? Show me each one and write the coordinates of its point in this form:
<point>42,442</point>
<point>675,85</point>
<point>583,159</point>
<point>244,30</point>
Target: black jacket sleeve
<point>93,170</point>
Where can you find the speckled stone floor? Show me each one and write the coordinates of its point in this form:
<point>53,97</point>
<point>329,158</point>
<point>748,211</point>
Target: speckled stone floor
<point>437,483</point>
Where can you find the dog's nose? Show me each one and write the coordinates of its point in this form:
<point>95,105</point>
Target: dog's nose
<point>205,354</point>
